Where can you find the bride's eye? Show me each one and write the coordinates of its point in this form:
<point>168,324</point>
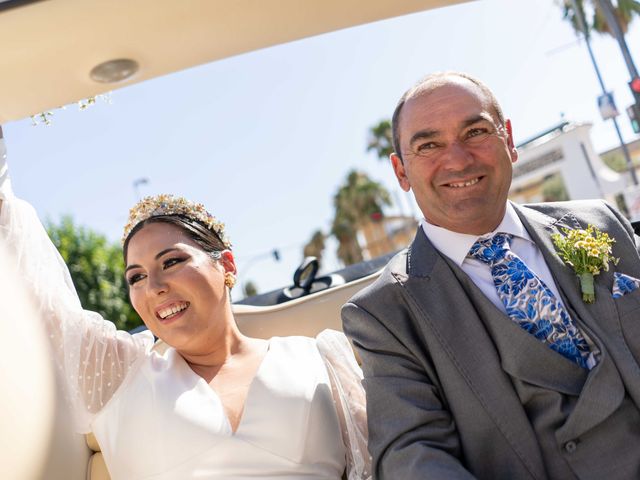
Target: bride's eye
<point>136,277</point>
<point>170,262</point>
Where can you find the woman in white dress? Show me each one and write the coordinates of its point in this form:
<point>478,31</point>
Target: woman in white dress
<point>215,404</point>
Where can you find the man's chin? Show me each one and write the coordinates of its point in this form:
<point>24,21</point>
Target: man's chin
<point>472,219</point>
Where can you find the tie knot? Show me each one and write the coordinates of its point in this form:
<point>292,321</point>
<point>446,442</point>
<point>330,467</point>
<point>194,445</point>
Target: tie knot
<point>491,250</point>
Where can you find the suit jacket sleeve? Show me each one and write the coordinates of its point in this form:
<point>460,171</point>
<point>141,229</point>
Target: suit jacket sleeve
<point>411,432</point>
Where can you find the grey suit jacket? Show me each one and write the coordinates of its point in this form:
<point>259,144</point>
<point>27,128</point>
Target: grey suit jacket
<point>441,404</point>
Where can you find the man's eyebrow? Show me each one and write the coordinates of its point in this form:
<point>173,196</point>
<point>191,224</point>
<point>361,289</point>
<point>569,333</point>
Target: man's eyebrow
<point>158,255</point>
<point>476,119</point>
<point>422,135</point>
<point>427,134</point>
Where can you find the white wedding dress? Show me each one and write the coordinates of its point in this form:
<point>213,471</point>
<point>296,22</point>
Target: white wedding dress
<point>304,416</point>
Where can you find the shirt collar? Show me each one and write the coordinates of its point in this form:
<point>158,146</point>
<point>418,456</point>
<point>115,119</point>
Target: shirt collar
<point>456,245</point>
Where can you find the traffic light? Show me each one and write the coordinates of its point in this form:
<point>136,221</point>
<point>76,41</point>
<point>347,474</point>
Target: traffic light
<point>376,216</point>
<point>634,110</point>
<point>634,115</point>
<point>634,85</point>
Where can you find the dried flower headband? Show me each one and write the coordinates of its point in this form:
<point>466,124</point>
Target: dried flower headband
<point>164,205</point>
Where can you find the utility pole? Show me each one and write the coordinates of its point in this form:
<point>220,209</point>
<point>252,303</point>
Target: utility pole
<point>136,186</point>
<point>634,84</point>
<point>582,24</point>
<point>610,16</point>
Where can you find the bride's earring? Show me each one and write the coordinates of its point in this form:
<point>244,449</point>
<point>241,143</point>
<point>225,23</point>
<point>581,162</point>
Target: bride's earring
<point>229,280</point>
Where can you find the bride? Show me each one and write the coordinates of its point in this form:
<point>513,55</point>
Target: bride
<point>215,403</point>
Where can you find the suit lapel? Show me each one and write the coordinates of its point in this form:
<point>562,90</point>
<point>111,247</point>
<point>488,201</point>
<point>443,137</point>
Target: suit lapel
<point>454,320</point>
<point>604,390</point>
<point>541,227</point>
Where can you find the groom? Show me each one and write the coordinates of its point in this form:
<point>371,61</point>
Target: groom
<point>466,380</point>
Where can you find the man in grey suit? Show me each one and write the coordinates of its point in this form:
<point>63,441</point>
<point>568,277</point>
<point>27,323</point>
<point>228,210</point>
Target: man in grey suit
<point>456,388</point>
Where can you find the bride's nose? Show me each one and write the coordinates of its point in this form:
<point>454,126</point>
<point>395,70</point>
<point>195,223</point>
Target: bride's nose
<point>157,285</point>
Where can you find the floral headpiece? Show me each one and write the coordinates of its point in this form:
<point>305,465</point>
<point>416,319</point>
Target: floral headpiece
<point>165,204</point>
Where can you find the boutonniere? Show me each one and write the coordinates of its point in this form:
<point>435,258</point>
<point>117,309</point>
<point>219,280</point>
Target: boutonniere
<point>588,252</point>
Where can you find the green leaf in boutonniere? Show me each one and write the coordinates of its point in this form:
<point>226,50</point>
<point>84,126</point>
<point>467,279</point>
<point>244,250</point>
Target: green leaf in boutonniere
<point>588,252</point>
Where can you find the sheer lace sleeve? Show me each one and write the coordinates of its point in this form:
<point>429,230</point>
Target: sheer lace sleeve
<point>94,358</point>
<point>349,396</point>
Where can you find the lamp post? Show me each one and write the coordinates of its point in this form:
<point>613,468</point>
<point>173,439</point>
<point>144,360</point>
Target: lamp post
<point>610,16</point>
<point>242,273</point>
<point>585,30</point>
<point>136,185</point>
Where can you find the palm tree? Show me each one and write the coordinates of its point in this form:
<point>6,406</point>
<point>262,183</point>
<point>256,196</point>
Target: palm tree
<point>355,202</point>
<point>380,139</point>
<point>597,20</point>
<point>349,250</point>
<point>605,19</point>
<point>315,246</point>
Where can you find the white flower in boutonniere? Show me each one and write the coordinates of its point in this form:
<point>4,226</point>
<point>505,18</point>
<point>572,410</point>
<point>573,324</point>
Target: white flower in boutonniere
<point>588,252</point>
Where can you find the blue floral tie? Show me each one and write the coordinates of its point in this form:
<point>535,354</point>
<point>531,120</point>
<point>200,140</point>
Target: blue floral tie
<point>529,302</point>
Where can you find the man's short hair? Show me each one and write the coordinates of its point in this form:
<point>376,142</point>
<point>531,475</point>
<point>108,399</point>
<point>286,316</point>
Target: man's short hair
<point>429,83</point>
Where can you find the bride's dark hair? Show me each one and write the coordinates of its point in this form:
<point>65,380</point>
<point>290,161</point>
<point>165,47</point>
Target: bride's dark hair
<point>208,240</point>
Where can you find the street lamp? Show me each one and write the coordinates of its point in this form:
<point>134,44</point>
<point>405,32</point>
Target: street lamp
<point>137,183</point>
<point>609,12</point>
<point>242,273</point>
<point>585,30</point>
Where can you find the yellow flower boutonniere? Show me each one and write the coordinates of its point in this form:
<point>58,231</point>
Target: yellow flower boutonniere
<point>588,252</point>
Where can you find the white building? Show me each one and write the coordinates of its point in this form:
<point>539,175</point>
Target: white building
<point>563,159</point>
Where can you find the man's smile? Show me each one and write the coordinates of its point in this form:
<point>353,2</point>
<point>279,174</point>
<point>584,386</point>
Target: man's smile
<point>463,184</point>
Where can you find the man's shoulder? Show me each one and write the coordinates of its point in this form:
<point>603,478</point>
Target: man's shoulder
<point>395,270</point>
<point>577,207</point>
<point>579,214</point>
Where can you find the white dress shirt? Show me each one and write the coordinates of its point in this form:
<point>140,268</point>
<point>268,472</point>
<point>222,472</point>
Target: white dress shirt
<point>456,246</point>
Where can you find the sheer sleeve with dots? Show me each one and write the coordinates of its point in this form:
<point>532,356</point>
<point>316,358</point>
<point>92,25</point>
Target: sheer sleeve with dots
<point>345,376</point>
<point>93,357</point>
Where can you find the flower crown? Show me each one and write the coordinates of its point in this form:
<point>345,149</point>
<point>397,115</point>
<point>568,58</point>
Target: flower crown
<point>165,204</point>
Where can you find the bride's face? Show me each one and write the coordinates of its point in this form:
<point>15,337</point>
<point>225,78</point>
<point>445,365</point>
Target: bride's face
<point>176,287</point>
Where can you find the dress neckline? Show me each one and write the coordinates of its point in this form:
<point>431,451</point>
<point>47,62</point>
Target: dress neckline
<point>203,384</point>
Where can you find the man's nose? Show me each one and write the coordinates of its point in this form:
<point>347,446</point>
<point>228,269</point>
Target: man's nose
<point>457,156</point>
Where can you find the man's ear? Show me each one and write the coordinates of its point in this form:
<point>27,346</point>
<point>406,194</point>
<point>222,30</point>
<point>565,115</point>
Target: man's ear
<point>399,170</point>
<point>513,151</point>
<point>228,262</point>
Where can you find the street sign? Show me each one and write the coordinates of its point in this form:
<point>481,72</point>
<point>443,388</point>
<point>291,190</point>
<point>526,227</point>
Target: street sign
<point>634,117</point>
<point>607,106</point>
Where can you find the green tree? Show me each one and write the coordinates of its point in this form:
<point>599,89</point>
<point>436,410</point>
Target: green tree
<point>380,139</point>
<point>616,161</point>
<point>595,17</point>
<point>315,246</point>
<point>554,189</point>
<point>250,289</point>
<point>97,270</point>
<point>349,250</point>
<point>355,202</point>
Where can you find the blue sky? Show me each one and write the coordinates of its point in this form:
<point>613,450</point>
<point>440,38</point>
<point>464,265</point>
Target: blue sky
<point>264,139</point>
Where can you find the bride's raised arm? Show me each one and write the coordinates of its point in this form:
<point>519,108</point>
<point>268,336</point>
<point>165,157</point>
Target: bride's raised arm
<point>94,358</point>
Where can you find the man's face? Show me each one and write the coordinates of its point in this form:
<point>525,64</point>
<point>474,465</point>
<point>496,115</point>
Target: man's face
<point>457,157</point>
